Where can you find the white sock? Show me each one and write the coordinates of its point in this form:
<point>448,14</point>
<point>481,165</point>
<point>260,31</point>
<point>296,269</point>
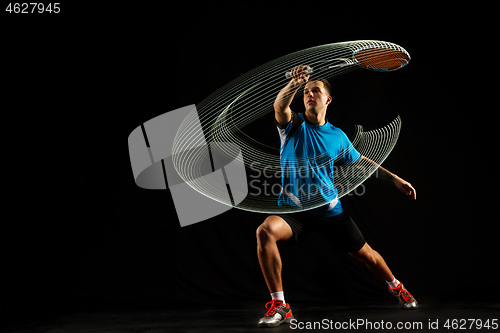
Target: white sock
<point>278,295</point>
<point>393,284</point>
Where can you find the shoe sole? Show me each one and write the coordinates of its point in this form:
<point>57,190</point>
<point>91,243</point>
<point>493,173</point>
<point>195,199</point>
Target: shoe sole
<point>410,308</point>
<point>286,321</point>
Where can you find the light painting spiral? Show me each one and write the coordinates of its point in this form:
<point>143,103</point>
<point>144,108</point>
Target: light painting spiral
<point>224,113</point>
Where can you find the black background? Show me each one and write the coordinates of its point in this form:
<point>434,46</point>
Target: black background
<point>78,233</point>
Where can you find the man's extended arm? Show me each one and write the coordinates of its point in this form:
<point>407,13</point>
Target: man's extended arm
<point>282,110</point>
<point>385,174</point>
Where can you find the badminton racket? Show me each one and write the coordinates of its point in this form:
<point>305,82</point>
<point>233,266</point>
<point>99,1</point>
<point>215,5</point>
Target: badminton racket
<point>380,57</point>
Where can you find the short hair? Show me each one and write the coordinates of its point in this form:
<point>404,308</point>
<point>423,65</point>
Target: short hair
<point>327,85</point>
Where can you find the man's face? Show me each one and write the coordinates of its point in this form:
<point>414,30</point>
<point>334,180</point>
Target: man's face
<point>316,97</point>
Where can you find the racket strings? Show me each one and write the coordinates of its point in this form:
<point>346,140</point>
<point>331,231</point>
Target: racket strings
<point>381,58</point>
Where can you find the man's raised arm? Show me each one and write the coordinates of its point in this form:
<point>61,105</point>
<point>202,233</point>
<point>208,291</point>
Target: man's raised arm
<point>282,111</point>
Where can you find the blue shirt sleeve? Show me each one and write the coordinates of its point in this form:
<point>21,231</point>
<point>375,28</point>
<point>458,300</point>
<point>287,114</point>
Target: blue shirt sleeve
<point>349,154</point>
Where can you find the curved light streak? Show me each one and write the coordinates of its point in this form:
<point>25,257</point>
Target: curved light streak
<point>244,100</point>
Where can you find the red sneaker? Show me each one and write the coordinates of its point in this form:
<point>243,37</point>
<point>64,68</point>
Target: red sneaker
<point>277,314</point>
<point>406,300</point>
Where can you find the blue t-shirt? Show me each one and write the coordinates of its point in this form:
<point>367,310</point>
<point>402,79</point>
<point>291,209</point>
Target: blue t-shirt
<point>307,156</point>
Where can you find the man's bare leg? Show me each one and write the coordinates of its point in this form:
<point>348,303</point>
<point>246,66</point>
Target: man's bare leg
<point>272,230</point>
<point>374,261</point>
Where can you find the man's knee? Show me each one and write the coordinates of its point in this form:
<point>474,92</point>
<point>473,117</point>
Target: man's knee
<point>269,230</point>
<point>264,231</point>
<point>365,255</point>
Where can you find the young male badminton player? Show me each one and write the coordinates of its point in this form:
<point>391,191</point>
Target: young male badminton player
<point>307,137</point>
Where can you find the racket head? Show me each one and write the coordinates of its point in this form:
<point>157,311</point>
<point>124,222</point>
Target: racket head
<point>381,59</point>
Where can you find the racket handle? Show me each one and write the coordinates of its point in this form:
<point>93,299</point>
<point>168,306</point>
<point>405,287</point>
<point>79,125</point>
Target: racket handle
<point>288,75</point>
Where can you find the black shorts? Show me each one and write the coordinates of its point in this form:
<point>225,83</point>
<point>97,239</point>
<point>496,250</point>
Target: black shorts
<point>340,230</point>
